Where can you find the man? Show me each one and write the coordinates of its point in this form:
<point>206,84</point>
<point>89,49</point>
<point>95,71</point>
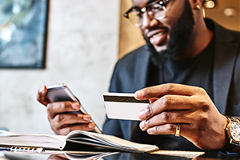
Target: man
<point>190,72</point>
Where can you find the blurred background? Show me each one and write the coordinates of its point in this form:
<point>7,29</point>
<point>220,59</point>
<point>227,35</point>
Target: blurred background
<point>84,41</point>
<point>81,50</point>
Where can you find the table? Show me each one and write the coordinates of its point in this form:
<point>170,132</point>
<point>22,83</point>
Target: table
<point>117,156</point>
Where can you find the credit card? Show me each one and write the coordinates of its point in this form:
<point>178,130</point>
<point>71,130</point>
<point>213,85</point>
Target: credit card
<point>123,105</point>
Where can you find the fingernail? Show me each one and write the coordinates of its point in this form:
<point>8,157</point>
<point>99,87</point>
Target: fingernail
<point>86,117</point>
<point>150,130</point>
<point>145,113</point>
<point>42,89</point>
<point>139,94</point>
<point>91,125</point>
<point>142,125</point>
<point>75,106</point>
<point>79,115</point>
<point>141,115</point>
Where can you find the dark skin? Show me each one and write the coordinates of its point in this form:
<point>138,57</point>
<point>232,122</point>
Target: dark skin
<point>199,39</point>
<point>170,104</point>
<point>62,123</point>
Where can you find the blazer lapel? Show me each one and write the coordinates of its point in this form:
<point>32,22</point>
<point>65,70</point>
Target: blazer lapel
<point>141,70</point>
<point>225,55</point>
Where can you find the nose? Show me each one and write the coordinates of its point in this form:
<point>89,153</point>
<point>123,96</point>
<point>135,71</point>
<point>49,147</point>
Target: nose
<point>148,21</point>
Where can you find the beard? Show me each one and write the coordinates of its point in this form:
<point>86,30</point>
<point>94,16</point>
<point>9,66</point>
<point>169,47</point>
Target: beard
<point>179,37</point>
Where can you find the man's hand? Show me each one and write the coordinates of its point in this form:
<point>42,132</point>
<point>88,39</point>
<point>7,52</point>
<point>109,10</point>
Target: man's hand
<point>191,107</point>
<point>62,122</point>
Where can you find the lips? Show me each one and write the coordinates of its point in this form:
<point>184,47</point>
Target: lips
<point>157,37</point>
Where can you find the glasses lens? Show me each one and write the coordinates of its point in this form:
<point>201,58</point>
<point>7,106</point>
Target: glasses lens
<point>160,14</point>
<point>134,18</point>
<point>154,12</point>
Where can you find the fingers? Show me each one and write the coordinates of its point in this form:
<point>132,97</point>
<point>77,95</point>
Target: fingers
<point>165,89</point>
<point>167,102</point>
<point>41,96</point>
<point>191,107</point>
<point>63,120</point>
<point>168,117</point>
<point>61,107</point>
<point>169,129</point>
<point>68,118</point>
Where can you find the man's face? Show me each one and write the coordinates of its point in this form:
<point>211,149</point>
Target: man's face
<point>168,37</point>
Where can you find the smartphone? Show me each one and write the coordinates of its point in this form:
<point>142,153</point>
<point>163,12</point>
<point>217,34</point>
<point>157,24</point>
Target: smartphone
<point>61,92</point>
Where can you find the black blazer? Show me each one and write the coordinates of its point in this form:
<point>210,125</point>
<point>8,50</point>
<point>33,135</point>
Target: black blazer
<point>130,75</point>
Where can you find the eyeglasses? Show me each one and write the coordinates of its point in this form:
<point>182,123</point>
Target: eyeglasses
<point>156,10</point>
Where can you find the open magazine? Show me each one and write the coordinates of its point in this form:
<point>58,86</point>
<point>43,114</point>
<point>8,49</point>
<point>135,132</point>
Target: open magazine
<point>75,141</point>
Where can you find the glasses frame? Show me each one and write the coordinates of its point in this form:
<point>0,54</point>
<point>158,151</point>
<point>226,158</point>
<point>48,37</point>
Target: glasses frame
<point>144,9</point>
